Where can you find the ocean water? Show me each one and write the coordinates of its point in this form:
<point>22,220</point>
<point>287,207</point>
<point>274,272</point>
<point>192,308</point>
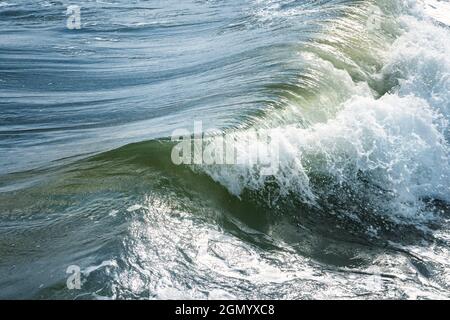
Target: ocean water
<point>354,95</point>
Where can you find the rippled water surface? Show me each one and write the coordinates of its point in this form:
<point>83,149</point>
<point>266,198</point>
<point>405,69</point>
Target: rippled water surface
<point>355,95</point>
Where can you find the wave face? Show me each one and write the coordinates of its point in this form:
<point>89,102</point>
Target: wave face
<point>385,152</point>
<point>354,96</point>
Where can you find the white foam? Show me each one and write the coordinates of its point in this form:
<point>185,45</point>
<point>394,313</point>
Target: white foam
<point>438,9</point>
<point>134,208</point>
<point>399,141</point>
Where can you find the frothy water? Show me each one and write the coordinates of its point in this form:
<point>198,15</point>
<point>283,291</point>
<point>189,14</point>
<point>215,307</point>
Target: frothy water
<point>355,98</point>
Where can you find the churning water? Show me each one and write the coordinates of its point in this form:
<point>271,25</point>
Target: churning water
<point>355,95</point>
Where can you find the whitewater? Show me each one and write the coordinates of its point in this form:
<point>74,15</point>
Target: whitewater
<point>354,95</point>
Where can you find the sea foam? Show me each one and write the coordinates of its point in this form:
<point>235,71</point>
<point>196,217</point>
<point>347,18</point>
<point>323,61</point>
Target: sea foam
<point>397,142</point>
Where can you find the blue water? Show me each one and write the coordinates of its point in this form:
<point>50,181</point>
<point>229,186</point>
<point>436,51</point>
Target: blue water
<point>357,96</point>
<point>135,71</point>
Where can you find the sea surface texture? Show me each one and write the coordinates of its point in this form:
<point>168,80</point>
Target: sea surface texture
<point>354,95</point>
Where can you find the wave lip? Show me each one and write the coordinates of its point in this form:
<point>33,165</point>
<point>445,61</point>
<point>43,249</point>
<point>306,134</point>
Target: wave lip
<point>387,155</point>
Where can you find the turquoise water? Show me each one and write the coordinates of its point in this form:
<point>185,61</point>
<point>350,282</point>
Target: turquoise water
<point>354,95</point>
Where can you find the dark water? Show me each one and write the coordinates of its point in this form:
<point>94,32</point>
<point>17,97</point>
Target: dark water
<point>355,95</point>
